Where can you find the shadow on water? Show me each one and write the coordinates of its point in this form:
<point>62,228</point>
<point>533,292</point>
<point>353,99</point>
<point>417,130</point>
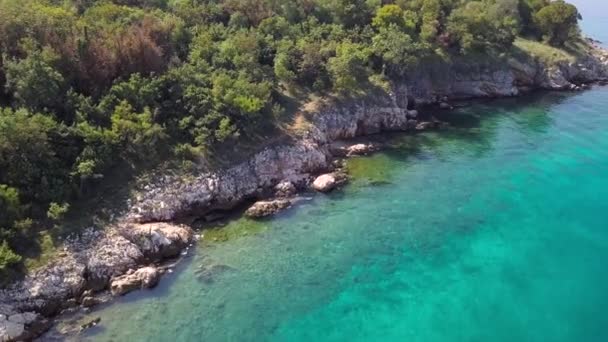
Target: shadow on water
<point>472,132</point>
<point>476,124</point>
<point>160,292</point>
<point>68,327</point>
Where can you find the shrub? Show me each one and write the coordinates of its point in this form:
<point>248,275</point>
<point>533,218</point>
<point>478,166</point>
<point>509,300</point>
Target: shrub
<point>57,211</point>
<point>558,22</point>
<point>7,256</point>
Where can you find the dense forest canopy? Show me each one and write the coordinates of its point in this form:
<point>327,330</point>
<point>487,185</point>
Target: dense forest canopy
<point>92,84</point>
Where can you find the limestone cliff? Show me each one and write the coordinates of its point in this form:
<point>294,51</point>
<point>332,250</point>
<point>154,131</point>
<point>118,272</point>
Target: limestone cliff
<point>387,112</point>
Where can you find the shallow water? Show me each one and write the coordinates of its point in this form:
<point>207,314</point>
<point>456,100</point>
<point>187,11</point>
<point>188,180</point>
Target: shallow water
<point>493,230</point>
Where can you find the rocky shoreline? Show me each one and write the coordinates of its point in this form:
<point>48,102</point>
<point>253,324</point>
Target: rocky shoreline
<point>127,255</point>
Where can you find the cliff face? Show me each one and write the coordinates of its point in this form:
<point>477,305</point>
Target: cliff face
<point>89,263</point>
<point>503,78</point>
<point>388,112</point>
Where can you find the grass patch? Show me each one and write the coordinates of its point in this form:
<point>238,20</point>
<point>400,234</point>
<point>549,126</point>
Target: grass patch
<point>46,252</point>
<point>546,53</point>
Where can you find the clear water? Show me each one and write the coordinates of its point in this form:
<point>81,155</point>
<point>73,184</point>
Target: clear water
<point>494,230</point>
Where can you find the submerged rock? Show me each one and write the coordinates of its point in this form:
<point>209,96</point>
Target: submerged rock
<point>208,272</point>
<point>89,301</point>
<point>90,324</point>
<point>343,149</point>
<point>360,149</point>
<point>425,125</point>
<point>445,105</point>
<point>266,208</point>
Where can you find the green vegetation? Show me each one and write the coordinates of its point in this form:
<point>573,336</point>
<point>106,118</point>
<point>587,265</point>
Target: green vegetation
<point>558,22</point>
<point>545,53</point>
<point>96,86</point>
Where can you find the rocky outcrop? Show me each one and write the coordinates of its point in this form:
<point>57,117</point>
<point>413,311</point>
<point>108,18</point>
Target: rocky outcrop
<point>89,301</point>
<point>285,189</point>
<point>224,190</point>
<point>503,77</point>
<point>341,149</point>
<point>143,278</point>
<point>445,105</point>
<point>266,208</point>
<point>111,255</point>
<point>10,331</point>
<point>86,265</point>
<point>158,241</point>
<point>21,326</point>
<point>325,183</point>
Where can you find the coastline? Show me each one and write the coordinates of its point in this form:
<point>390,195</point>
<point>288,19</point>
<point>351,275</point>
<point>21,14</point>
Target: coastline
<point>97,259</point>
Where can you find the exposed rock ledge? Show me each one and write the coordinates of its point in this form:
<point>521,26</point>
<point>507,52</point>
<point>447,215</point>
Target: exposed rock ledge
<point>267,208</point>
<point>96,259</point>
<point>313,154</point>
<point>87,265</point>
<point>143,278</point>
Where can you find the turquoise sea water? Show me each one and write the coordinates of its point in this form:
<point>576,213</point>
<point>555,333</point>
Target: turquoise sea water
<point>495,229</point>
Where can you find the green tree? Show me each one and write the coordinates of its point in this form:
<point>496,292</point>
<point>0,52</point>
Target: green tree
<point>558,22</point>
<point>284,65</point>
<point>137,136</point>
<point>7,256</point>
<point>397,49</point>
<point>388,15</point>
<point>138,91</point>
<point>431,15</point>
<point>480,26</point>
<point>304,63</point>
<point>348,12</point>
<point>240,96</point>
<point>348,68</point>
<point>527,10</point>
<point>28,160</point>
<point>57,211</point>
<point>34,81</point>
<point>10,206</point>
